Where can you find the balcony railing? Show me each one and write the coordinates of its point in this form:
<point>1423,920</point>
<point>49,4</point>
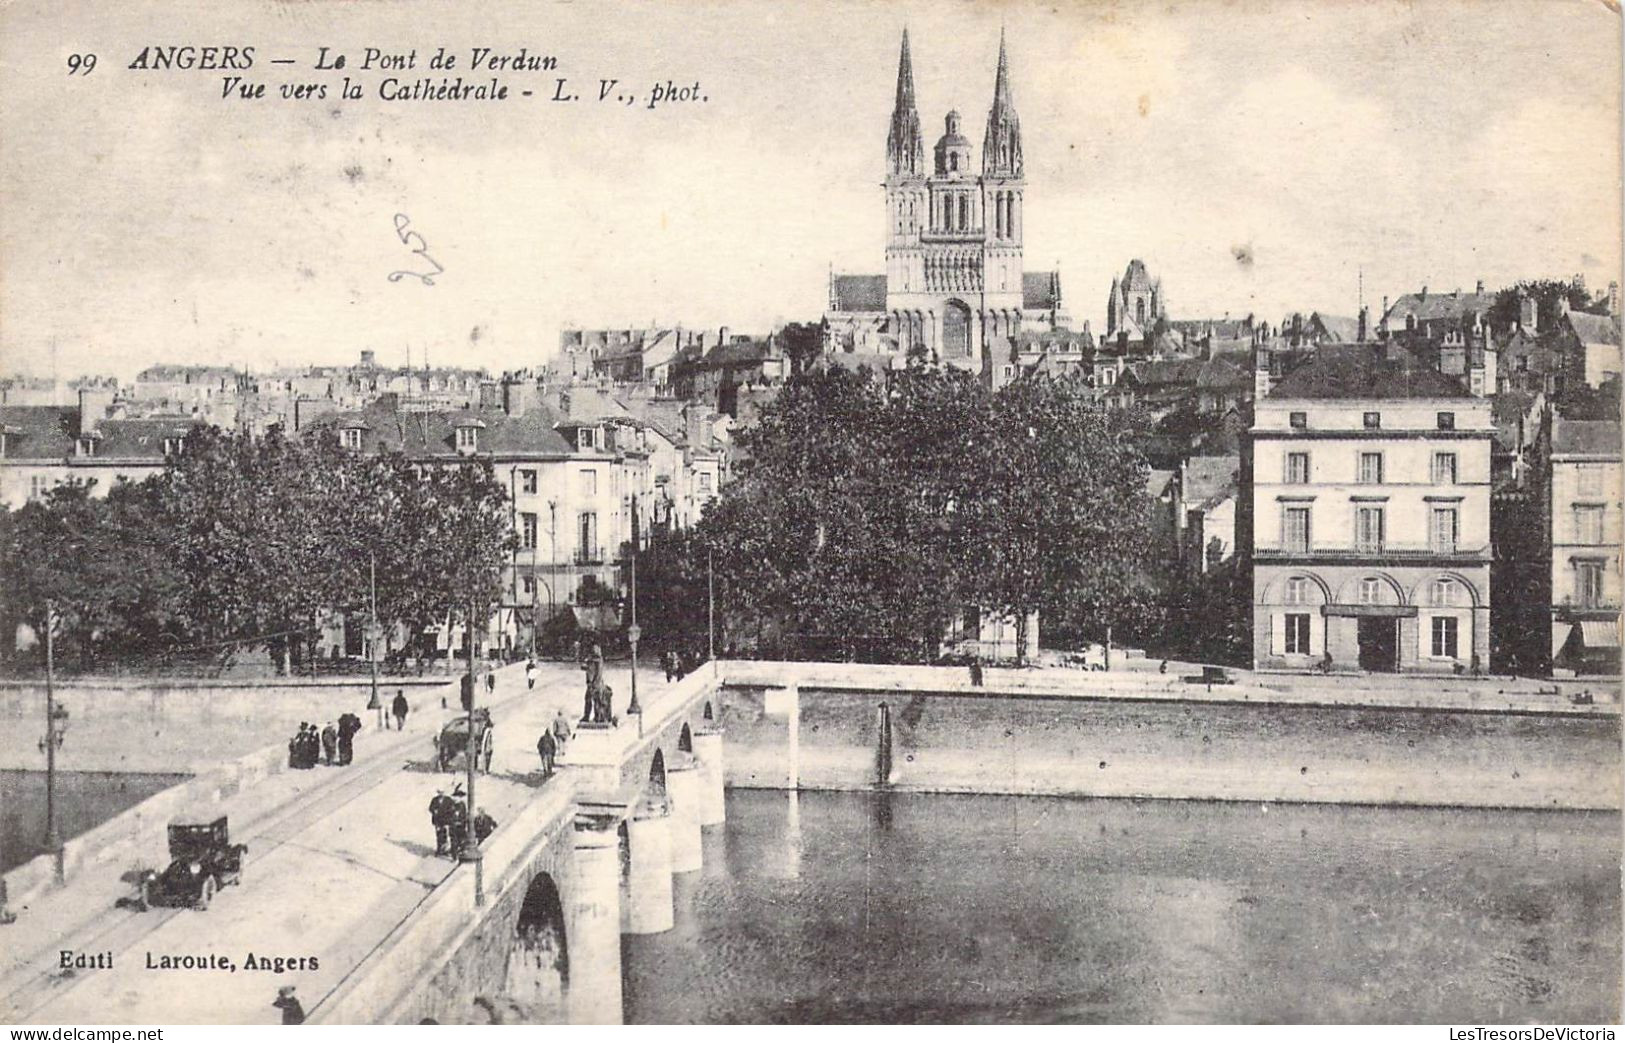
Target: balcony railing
<point>589,556</point>
<point>1386,550</point>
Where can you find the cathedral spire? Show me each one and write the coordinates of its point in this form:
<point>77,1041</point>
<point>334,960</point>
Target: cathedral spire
<point>1001,146</point>
<point>905,149</point>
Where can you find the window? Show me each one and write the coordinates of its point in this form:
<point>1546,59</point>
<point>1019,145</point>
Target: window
<point>38,486</point>
<point>1371,468</point>
<point>1443,593</point>
<point>584,438</point>
<point>527,481</point>
<point>705,481</point>
<point>468,437</point>
<point>1588,524</point>
<point>350,437</point>
<point>1297,591</point>
<point>1447,421</point>
<point>1445,530</point>
<point>1297,633</point>
<point>1588,583</point>
<point>1590,479</point>
<point>1297,468</point>
<point>529,586</point>
<point>172,446</point>
<point>1373,420</point>
<point>589,482</point>
<point>587,547</point>
<point>1299,421</point>
<point>1368,529</point>
<point>1444,468</point>
<point>527,531</point>
<point>87,446</point>
<point>1444,637</point>
<point>1297,529</point>
<point>1370,591</point>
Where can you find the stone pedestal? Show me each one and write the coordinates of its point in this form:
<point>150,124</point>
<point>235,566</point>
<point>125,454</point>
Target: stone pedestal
<point>713,799</point>
<point>594,938</point>
<point>648,887</point>
<point>683,785</point>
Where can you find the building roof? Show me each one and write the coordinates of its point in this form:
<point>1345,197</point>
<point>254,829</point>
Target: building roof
<point>1135,276</point>
<point>1040,291</point>
<point>1429,307</point>
<point>433,433</point>
<point>858,293</point>
<point>1594,329</point>
<point>1211,479</point>
<point>1363,371</point>
<point>39,432</point>
<point>1339,328</point>
<point>1591,437</point>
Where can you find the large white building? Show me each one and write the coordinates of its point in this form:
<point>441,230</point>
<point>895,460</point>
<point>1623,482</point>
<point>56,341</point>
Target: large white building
<point>1585,537</point>
<point>1371,517</point>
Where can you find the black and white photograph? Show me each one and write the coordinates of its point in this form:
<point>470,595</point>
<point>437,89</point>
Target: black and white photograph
<point>868,513</point>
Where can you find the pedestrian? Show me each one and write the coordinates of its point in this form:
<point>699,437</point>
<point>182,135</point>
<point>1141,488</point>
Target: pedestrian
<point>1162,668</point>
<point>457,816</point>
<point>296,747</point>
<point>330,742</point>
<point>976,672</point>
<point>530,674</point>
<point>561,731</point>
<point>547,747</point>
<point>292,1012</point>
<point>666,664</point>
<point>490,681</point>
<point>399,708</point>
<point>349,724</point>
<point>440,818</point>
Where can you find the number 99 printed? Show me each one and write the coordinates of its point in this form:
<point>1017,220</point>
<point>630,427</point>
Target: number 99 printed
<point>81,64</point>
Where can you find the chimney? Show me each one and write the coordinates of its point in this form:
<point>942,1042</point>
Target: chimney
<point>368,359</point>
<point>1613,299</point>
<point>1424,293</point>
<point>1382,323</point>
<point>93,408</point>
<point>1480,288</point>
<point>722,335</point>
<point>1365,321</point>
<point>1528,314</point>
<point>514,393</point>
<point>1562,304</point>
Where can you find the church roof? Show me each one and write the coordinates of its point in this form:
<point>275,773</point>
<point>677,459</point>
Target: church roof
<point>858,293</point>
<point>1040,291</point>
<point>1135,277</point>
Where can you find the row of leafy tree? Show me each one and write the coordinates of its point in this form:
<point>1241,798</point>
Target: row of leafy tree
<point>245,542</point>
<point>868,511</point>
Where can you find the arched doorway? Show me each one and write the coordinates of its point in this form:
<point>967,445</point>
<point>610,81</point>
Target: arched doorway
<point>539,963</point>
<point>955,330</point>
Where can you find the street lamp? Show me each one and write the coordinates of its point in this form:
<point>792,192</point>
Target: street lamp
<point>471,840</point>
<point>56,720</point>
<point>633,632</point>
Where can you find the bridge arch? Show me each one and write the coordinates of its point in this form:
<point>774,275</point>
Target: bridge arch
<point>709,714</point>
<point>538,976</point>
<point>657,775</point>
<point>685,740</point>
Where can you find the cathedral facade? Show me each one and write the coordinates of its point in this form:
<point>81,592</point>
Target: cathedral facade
<point>955,289</point>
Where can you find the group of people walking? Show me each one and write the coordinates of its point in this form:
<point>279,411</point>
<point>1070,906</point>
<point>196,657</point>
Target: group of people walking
<point>551,744</point>
<point>679,663</point>
<point>332,745</point>
<point>449,816</point>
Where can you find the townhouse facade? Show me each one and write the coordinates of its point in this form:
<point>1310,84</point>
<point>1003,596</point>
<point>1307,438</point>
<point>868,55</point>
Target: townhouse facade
<point>1370,517</point>
<point>1584,525</point>
<point>42,447</point>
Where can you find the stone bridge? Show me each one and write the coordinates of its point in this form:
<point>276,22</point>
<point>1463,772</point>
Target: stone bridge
<point>533,932</point>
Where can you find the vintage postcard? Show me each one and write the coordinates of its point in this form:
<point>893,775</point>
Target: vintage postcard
<point>810,513</point>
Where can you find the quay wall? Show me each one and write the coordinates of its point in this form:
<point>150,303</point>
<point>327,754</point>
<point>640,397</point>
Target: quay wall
<point>1155,746</point>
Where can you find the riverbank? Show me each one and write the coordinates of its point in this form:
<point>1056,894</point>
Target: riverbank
<point>1135,746</point>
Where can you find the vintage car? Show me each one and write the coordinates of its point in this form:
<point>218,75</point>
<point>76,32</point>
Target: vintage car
<point>452,742</point>
<point>202,860</point>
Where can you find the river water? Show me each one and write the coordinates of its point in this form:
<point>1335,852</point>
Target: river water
<point>861,907</point>
<point>85,799</point>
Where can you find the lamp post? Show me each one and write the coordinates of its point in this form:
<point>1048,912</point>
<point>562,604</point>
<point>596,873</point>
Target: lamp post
<point>471,840</point>
<point>373,632</point>
<point>633,632</point>
<point>710,609</point>
<point>55,721</point>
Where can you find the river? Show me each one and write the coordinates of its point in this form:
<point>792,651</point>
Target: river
<point>911,908</point>
<point>85,799</point>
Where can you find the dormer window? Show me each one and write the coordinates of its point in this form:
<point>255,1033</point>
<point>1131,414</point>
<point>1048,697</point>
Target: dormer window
<point>468,438</point>
<point>87,445</point>
<point>584,438</point>
<point>172,445</point>
<point>350,437</point>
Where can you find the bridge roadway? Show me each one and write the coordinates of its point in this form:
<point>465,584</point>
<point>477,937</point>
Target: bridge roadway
<point>338,858</point>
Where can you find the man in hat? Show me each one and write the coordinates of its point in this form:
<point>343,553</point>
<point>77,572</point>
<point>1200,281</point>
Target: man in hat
<point>530,674</point>
<point>292,1012</point>
<point>457,827</point>
<point>561,730</point>
<point>546,748</point>
<point>440,815</point>
<point>399,708</point>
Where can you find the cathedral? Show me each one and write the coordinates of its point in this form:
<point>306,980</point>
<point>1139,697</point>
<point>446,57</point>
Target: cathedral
<point>954,291</point>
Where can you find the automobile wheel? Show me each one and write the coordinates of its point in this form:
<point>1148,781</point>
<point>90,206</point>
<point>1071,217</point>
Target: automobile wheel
<point>146,895</point>
<point>238,878</point>
<point>205,894</point>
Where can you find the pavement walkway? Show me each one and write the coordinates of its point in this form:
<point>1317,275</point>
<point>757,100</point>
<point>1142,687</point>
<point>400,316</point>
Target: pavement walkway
<point>337,859</point>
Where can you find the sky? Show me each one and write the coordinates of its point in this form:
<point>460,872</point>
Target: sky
<point>1261,157</point>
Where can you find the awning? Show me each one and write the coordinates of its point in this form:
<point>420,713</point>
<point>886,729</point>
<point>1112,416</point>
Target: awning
<point>1600,633</point>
